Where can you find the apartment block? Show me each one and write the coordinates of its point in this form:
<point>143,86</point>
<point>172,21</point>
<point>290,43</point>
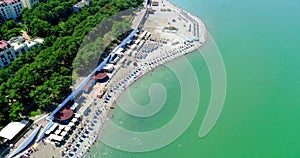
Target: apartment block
<point>11,9</point>
<point>10,50</point>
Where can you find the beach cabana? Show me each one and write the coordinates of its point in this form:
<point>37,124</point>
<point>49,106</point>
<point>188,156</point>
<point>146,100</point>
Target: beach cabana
<point>71,124</point>
<point>74,106</point>
<point>67,128</point>
<point>57,132</point>
<point>53,127</point>
<point>61,127</point>
<point>74,120</point>
<point>77,115</point>
<point>55,137</point>
<point>64,133</point>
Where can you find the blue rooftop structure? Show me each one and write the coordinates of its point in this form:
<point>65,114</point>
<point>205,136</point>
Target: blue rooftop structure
<point>40,137</point>
<point>98,68</point>
<point>79,89</point>
<point>26,142</point>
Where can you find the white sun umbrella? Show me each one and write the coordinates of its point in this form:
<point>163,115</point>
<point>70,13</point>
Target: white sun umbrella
<point>77,115</point>
<point>57,132</point>
<point>64,133</point>
<point>48,132</point>
<point>61,127</point>
<point>58,138</point>
<point>71,124</point>
<point>74,120</point>
<point>53,127</point>
<point>67,128</point>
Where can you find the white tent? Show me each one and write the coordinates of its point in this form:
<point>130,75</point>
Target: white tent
<point>119,51</point>
<point>108,67</point>
<point>71,124</point>
<point>67,128</point>
<point>55,137</point>
<point>53,127</point>
<point>77,115</point>
<point>48,132</point>
<point>74,106</point>
<point>57,131</point>
<point>61,127</point>
<point>74,120</point>
<point>64,133</point>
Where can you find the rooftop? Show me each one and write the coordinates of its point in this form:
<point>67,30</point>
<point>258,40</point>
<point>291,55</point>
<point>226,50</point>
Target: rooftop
<point>100,75</point>
<point>64,114</point>
<point>3,43</point>
<point>12,129</point>
<point>80,4</point>
<point>11,1</point>
<point>38,39</point>
<point>108,67</point>
<point>19,42</point>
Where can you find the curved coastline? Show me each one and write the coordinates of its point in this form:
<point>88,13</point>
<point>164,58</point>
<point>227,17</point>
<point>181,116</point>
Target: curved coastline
<point>161,46</point>
<point>149,67</point>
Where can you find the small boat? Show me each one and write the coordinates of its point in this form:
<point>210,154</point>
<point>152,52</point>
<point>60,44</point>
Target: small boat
<point>112,107</point>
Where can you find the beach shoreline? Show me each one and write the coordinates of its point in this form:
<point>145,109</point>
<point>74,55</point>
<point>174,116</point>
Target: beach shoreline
<point>153,67</point>
<point>160,46</point>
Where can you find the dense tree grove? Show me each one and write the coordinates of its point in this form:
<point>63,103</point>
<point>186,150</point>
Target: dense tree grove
<point>9,29</point>
<point>40,79</point>
<point>99,43</point>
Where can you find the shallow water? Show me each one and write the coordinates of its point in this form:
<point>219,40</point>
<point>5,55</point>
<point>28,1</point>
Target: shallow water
<point>259,42</point>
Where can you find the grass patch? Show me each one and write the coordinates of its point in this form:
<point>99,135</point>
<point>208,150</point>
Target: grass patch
<point>35,113</point>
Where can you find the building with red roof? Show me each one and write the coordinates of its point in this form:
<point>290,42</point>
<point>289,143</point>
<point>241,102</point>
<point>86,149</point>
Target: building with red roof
<point>64,114</point>
<point>10,50</point>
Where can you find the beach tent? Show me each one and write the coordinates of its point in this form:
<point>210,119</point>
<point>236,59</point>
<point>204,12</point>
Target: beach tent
<point>74,120</point>
<point>67,128</point>
<point>55,137</point>
<point>57,132</point>
<point>71,124</point>
<point>74,106</point>
<point>77,115</point>
<point>64,133</point>
<point>61,127</point>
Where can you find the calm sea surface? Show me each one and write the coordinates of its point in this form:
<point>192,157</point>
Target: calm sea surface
<point>259,42</point>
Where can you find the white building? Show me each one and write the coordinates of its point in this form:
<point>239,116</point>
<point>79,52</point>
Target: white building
<point>79,6</point>
<point>10,50</point>
<point>108,68</point>
<point>154,2</point>
<point>12,129</point>
<point>11,9</point>
<point>29,3</point>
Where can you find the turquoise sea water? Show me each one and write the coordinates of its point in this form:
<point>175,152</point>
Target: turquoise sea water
<point>259,43</point>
